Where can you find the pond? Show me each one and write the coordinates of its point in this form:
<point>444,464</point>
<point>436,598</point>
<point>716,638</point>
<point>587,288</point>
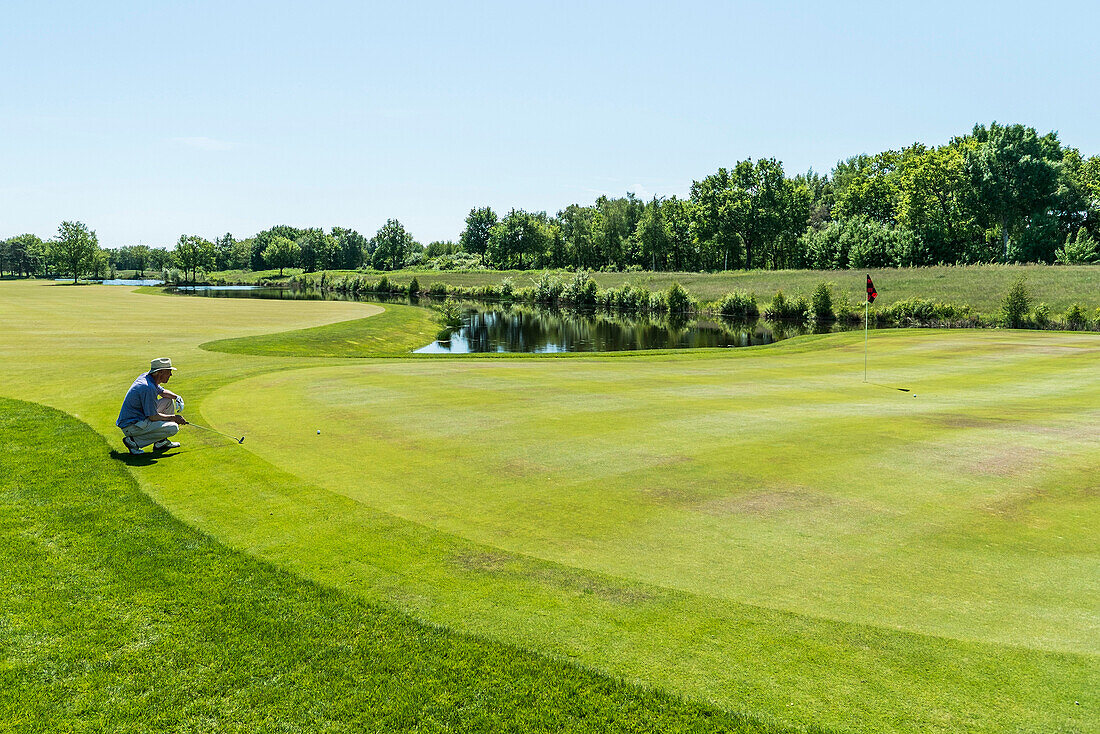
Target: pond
<point>117,281</point>
<point>490,328</point>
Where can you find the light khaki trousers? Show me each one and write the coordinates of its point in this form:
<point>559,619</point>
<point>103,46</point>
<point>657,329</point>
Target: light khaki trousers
<point>145,432</point>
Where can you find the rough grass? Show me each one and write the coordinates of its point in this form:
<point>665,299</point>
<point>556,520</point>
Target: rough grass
<point>980,286</point>
<point>115,616</point>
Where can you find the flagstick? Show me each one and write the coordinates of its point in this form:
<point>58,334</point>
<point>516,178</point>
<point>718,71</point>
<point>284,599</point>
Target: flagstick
<point>866,307</point>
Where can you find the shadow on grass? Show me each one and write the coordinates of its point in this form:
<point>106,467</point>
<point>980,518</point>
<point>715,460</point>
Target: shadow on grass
<point>891,387</point>
<point>147,459</point>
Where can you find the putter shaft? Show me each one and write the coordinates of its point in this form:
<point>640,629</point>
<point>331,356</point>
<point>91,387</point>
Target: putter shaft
<point>212,430</point>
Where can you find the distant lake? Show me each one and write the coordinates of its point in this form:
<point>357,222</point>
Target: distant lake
<point>117,281</point>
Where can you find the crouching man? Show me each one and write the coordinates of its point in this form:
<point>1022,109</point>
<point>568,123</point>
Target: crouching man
<point>148,414</point>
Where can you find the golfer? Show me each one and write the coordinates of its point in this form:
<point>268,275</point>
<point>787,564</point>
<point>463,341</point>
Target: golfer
<point>148,414</point>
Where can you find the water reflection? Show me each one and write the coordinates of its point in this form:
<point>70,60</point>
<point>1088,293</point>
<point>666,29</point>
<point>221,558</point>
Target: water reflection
<point>525,329</point>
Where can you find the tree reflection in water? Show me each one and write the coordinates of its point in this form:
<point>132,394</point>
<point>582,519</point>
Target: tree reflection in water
<point>526,329</point>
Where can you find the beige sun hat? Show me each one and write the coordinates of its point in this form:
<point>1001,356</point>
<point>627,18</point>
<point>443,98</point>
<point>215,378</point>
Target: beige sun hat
<point>161,363</point>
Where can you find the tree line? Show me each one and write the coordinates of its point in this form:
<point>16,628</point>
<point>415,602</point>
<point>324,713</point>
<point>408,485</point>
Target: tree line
<point>1002,193</point>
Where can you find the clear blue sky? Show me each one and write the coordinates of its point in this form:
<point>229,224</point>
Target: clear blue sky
<point>149,119</point>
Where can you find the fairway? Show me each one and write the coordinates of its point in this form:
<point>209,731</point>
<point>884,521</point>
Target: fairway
<point>756,529</point>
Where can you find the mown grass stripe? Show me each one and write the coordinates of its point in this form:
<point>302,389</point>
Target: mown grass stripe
<point>116,616</point>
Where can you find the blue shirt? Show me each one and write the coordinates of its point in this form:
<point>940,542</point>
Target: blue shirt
<point>140,401</point>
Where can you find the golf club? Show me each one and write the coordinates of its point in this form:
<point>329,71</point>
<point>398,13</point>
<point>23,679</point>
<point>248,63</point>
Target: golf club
<point>178,402</point>
<point>196,425</point>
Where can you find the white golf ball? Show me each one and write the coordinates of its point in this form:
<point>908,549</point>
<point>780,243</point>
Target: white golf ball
<point>318,431</point>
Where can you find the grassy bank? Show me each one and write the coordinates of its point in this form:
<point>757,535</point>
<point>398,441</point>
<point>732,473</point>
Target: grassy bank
<point>980,286</point>
<point>118,617</point>
<point>397,330</point>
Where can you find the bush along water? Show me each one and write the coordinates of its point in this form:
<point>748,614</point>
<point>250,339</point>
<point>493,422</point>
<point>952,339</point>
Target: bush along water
<point>822,303</point>
<point>738,306</point>
<point>822,306</point>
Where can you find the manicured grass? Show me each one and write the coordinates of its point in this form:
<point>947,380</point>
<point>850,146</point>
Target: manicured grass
<point>398,329</point>
<point>752,528</point>
<point>114,616</point>
<point>980,286</point>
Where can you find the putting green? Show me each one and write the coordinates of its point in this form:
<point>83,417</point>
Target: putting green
<point>755,528</point>
<point>781,480</point>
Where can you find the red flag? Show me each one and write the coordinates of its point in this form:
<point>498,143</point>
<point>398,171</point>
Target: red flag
<point>870,290</point>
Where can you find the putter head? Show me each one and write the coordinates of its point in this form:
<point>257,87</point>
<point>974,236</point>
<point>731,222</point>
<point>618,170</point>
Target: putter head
<point>242,440</point>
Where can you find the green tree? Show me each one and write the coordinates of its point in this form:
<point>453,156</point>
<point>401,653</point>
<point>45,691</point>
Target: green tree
<point>617,220</point>
<point>752,213</point>
<point>519,240</point>
<point>580,232</point>
<point>933,202</point>
<point>479,225</point>
<point>652,237</point>
<point>140,256</point>
<point>224,252</point>
<point>27,254</point>
<point>281,252</point>
<point>192,253</point>
<point>867,186</point>
<point>392,245</point>
<point>714,221</point>
<point>318,250</point>
<point>855,242</point>
<point>263,239</point>
<point>74,247</point>
<point>1014,174</point>
<point>1089,178</point>
<point>821,197</point>
<point>7,262</point>
<point>683,254</point>
<point>159,258</point>
<point>99,264</point>
<point>352,247</point>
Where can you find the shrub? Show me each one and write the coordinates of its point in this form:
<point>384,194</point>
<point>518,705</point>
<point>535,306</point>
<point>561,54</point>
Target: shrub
<point>739,306</point>
<point>854,242</point>
<point>437,290</point>
<point>507,291</point>
<point>547,289</point>
<point>450,316</point>
<point>922,311</point>
<point>1080,251</point>
<point>848,312</point>
<point>800,308</point>
<point>822,302</point>
<point>1042,316</point>
<point>383,285</point>
<point>626,298</point>
<point>1076,318</point>
<point>1016,305</point>
<point>581,290</point>
<point>782,309</point>
<point>414,287</point>
<point>677,300</point>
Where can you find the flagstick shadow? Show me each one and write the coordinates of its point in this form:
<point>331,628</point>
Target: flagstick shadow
<point>889,387</point>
